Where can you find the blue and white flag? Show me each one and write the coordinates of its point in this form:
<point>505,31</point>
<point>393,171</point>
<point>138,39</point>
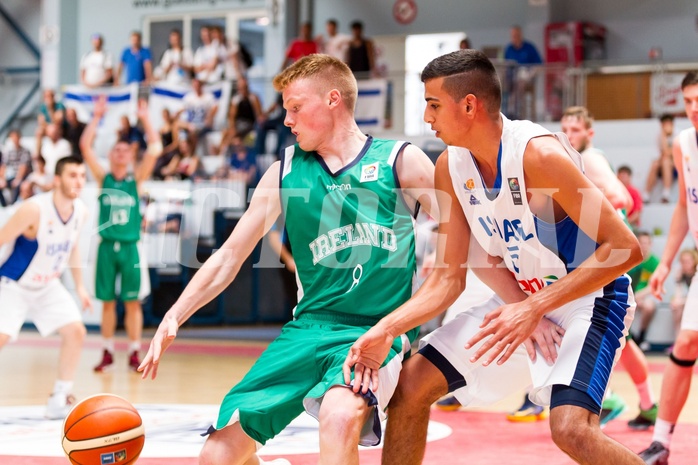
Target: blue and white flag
<point>165,95</point>
<point>370,105</point>
<point>121,100</point>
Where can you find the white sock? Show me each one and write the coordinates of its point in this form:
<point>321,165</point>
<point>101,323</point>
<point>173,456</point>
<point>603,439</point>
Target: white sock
<point>665,193</point>
<point>62,387</point>
<point>134,346</point>
<point>663,431</point>
<point>108,344</point>
<point>644,389</point>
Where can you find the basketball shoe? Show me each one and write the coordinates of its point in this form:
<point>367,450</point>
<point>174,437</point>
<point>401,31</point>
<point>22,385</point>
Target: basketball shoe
<point>655,454</point>
<point>528,412</point>
<point>644,419</point>
<point>613,405</point>
<point>133,361</point>
<point>448,404</point>
<point>107,362</point>
<point>58,406</point>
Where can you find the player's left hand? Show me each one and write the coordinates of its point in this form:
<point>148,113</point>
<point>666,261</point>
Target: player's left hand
<point>547,337</point>
<point>366,357</point>
<point>509,326</point>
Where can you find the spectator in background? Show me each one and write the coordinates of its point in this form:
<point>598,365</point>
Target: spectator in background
<point>646,302</point>
<point>688,260</point>
<point>633,215</point>
<point>272,120</point>
<point>200,108</point>
<point>229,56</point>
<point>184,164</point>
<point>242,164</point>
<point>235,65</point>
<point>50,110</point>
<point>302,46</point>
<point>177,62</point>
<point>136,61</point>
<point>51,145</point>
<point>72,130</point>
<point>464,43</point>
<point>169,133</point>
<point>37,181</point>
<point>522,78</point>
<point>335,44</point>
<point>663,167</point>
<point>14,167</point>
<point>361,53</point>
<point>96,66</point>
<point>208,66</point>
<point>245,108</point>
<point>521,51</point>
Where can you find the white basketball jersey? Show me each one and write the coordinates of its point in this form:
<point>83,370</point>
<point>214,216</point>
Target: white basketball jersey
<point>33,263</point>
<point>688,140</point>
<point>536,252</point>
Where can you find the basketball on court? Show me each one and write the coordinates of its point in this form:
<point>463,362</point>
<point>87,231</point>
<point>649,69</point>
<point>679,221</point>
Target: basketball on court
<point>103,429</point>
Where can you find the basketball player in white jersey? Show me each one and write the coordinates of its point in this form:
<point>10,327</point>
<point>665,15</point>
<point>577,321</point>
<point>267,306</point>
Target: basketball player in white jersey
<point>678,374</point>
<point>520,193</point>
<point>43,235</point>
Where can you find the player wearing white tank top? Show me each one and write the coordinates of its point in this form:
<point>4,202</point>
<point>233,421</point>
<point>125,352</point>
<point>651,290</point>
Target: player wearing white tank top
<point>677,375</point>
<point>43,235</point>
<point>518,190</point>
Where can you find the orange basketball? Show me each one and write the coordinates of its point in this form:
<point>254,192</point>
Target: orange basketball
<point>101,430</point>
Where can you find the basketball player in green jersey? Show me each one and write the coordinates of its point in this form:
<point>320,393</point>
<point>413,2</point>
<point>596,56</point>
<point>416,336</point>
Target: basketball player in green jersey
<point>119,229</point>
<point>349,201</point>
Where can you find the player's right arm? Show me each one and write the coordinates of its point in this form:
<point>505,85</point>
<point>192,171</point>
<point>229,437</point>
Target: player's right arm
<point>24,221</point>
<point>443,286</point>
<point>677,230</point>
<point>87,140</point>
<point>221,268</point>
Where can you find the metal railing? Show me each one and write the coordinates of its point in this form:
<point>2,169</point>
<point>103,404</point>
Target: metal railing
<point>539,93</point>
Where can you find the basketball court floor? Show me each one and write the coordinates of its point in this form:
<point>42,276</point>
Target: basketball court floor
<point>201,366</point>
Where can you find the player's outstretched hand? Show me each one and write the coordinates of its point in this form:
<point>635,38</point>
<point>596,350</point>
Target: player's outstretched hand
<point>656,283</point>
<point>548,337</point>
<point>366,357</point>
<point>509,326</point>
<point>164,336</point>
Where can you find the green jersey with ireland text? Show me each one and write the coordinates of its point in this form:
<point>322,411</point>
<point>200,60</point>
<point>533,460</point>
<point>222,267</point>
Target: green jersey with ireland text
<point>351,233</point>
<point>119,210</point>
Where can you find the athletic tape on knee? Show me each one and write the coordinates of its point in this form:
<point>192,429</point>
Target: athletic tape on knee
<point>682,363</point>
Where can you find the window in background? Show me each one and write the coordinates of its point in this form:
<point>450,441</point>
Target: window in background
<point>420,50</point>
